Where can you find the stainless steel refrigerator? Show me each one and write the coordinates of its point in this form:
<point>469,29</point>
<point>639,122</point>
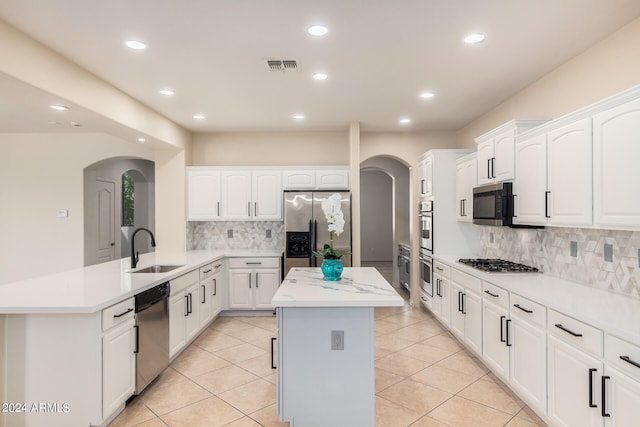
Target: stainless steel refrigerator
<point>306,228</point>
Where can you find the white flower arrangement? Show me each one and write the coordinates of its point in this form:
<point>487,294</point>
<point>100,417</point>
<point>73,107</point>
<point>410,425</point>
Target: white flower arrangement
<point>333,212</point>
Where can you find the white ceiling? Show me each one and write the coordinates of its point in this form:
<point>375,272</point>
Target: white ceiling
<point>379,56</point>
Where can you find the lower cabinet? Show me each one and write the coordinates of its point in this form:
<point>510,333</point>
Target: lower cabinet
<point>441,301</point>
<point>184,311</point>
<point>466,309</point>
<point>209,296</point>
<point>118,366</point>
<point>253,282</point>
<point>574,395</point>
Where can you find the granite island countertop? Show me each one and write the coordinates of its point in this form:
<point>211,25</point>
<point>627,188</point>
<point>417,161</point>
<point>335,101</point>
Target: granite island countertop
<point>358,287</point>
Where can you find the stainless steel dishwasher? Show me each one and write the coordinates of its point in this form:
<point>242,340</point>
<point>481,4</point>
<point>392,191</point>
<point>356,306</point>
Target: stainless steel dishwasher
<point>152,334</point>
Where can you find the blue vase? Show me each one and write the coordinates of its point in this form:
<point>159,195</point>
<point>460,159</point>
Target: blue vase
<point>332,269</point>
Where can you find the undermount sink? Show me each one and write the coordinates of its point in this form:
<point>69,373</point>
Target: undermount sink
<point>157,269</point>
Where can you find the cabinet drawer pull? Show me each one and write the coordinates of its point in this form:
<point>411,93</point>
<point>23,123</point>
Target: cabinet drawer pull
<point>217,266</point>
<point>546,204</point>
<point>628,360</point>
<point>215,287</point>
<point>502,329</point>
<point>559,326</point>
<point>524,309</point>
<point>137,350</point>
<point>123,313</point>
<point>204,294</point>
<point>604,396</point>
<point>254,263</point>
<point>439,269</point>
<point>423,299</point>
<point>207,271</point>
<point>273,365</point>
<point>591,404</point>
<point>492,294</point>
<point>507,322</point>
<point>186,305</point>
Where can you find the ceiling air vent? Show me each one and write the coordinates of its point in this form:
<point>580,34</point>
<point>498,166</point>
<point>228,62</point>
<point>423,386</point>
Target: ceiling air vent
<point>282,65</point>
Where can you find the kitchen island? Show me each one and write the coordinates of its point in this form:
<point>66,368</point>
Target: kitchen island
<point>326,346</point>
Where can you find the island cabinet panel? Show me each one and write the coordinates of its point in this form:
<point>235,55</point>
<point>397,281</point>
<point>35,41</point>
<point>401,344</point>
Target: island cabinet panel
<point>64,349</point>
<point>318,386</point>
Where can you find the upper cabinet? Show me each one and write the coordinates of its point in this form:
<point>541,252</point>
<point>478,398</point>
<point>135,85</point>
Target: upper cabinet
<point>203,195</point>
<point>247,194</point>
<point>496,159</point>
<point>553,176</point>
<point>616,144</point>
<point>335,178</point>
<point>466,176</point>
<point>425,171</point>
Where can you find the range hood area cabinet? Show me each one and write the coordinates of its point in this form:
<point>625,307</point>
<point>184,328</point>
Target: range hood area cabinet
<point>496,161</point>
<point>253,193</point>
<point>578,170</point>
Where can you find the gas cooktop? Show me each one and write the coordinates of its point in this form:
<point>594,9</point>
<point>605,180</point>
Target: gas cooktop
<point>497,265</point>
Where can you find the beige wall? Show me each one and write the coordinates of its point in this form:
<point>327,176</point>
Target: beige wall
<point>39,175</point>
<point>270,148</point>
<point>607,68</point>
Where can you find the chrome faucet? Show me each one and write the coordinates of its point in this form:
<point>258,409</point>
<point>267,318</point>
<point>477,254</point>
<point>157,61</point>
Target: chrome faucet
<point>134,254</point>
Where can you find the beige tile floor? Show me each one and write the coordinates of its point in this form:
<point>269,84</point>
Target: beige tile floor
<point>423,378</point>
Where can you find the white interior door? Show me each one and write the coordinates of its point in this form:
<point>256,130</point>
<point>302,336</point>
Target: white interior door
<point>105,233</point>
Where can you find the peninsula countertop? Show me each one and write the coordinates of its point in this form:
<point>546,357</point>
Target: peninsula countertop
<point>90,289</point>
<point>358,287</point>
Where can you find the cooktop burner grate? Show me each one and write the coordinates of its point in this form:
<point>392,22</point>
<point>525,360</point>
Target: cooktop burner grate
<point>493,265</point>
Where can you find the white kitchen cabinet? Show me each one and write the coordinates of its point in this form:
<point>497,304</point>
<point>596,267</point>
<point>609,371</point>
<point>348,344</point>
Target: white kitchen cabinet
<point>616,133</point>
<point>299,179</point>
<point>495,329</point>
<point>118,357</point>
<point>425,172</point>
<point>572,373</point>
<point>250,195</point>
<point>236,194</point>
<point>466,309</point>
<point>266,194</point>
<point>184,311</point>
<point>208,297</point>
<point>332,179</point>
<point>496,151</point>
<point>553,177</point>
<point>203,194</point>
<point>528,351</point>
<point>441,302</point>
<point>253,282</point>
<point>466,178</point>
<point>621,400</point>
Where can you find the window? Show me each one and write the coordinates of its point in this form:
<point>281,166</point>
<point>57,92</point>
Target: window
<point>128,193</point>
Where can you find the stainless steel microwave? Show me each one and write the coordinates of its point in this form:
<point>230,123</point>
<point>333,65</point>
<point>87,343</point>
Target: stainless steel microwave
<point>493,204</point>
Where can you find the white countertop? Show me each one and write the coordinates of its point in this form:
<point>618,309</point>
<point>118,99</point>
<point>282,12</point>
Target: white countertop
<point>609,311</point>
<point>358,287</point>
<point>90,289</point>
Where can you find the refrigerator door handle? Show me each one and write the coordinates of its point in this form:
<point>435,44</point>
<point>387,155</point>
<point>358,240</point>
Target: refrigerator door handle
<point>311,244</point>
<point>315,241</point>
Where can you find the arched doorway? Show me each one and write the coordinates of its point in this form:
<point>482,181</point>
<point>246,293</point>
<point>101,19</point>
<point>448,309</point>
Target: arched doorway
<point>385,222</point>
<point>119,196</point>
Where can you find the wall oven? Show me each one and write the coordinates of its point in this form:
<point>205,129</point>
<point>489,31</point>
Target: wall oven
<point>426,272</point>
<point>425,214</point>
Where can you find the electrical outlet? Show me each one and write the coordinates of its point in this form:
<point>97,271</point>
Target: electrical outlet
<point>268,234</point>
<point>608,252</point>
<point>490,237</point>
<point>230,234</point>
<point>574,249</point>
<point>337,340</point>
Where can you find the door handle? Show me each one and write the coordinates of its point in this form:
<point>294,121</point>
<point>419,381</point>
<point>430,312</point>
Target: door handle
<point>204,294</point>
<point>604,396</point>
<point>257,283</point>
<point>186,305</point>
<point>507,322</point>
<point>591,404</point>
<point>273,365</point>
<point>546,204</point>
<point>502,329</point>
<point>215,287</point>
<point>255,208</point>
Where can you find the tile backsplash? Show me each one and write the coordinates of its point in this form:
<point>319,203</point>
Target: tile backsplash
<point>235,235</point>
<point>607,259</point>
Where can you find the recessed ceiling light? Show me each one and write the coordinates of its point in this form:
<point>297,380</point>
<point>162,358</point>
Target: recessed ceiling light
<point>298,116</point>
<point>58,107</point>
<point>320,76</point>
<point>198,117</point>
<point>475,38</point>
<point>404,121</point>
<point>135,44</point>
<point>317,30</point>
<point>142,140</point>
<point>167,92</point>
<point>427,95</point>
